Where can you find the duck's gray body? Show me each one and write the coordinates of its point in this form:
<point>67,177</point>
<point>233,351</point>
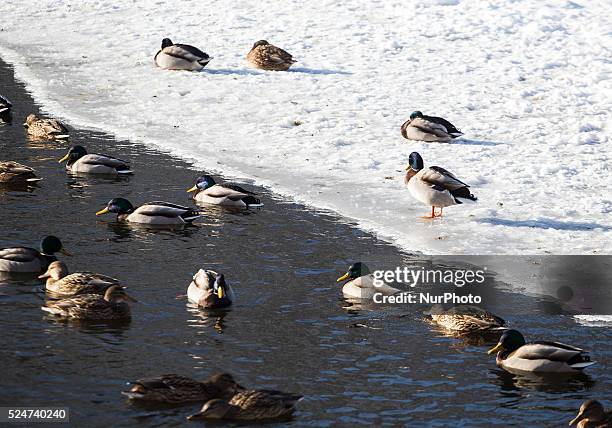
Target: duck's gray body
<point>24,260</point>
<point>181,57</point>
<point>99,164</point>
<point>429,130</point>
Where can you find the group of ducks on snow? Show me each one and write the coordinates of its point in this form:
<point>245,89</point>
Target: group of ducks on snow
<point>91,296</point>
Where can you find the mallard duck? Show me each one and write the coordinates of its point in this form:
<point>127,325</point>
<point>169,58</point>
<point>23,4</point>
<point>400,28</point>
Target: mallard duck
<point>157,212</point>
<point>5,109</point>
<point>62,284</point>
<point>361,283</point>
<point>513,354</point>
<point>466,319</point>
<point>173,56</point>
<point>265,56</point>
<point>228,194</point>
<point>112,306</point>
<point>592,415</point>
<point>45,128</point>
<point>173,388</point>
<point>435,186</point>
<point>250,405</point>
<point>14,172</point>
<point>209,290</point>
<point>429,128</point>
<point>26,259</point>
<point>81,162</point>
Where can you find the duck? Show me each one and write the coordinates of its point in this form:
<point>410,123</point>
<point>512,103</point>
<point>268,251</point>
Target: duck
<point>515,355</point>
<point>250,405</point>
<point>113,305</point>
<point>209,290</point>
<point>14,172</point>
<point>5,109</point>
<point>360,284</point>
<point>50,129</point>
<point>174,388</point>
<point>29,260</point>
<point>466,319</point>
<point>61,284</point>
<point>265,56</point>
<point>429,128</point>
<point>79,161</point>
<point>592,415</point>
<point>209,192</point>
<point>177,56</point>
<point>153,213</point>
<point>435,186</point>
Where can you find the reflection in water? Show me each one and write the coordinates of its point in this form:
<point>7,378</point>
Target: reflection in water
<point>207,318</point>
<point>550,383</point>
<point>27,186</point>
<point>125,230</point>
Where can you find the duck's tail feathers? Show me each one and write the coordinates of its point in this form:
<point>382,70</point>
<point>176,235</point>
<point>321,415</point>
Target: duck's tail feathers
<point>582,365</point>
<point>252,201</point>
<point>125,171</point>
<point>132,395</point>
<point>34,179</point>
<point>456,134</point>
<point>61,136</point>
<point>3,109</point>
<point>463,194</point>
<point>53,311</point>
<point>205,61</point>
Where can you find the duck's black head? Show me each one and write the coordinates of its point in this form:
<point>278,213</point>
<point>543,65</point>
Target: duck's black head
<point>415,114</point>
<point>166,42</point>
<point>202,183</point>
<point>415,162</point>
<point>117,206</point>
<point>260,43</point>
<point>510,341</point>
<point>51,245</point>
<point>355,271</point>
<point>75,153</point>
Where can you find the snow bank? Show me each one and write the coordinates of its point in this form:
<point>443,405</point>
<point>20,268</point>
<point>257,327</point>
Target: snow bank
<point>529,82</point>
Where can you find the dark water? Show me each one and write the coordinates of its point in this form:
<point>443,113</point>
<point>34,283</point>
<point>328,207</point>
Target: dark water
<point>290,328</point>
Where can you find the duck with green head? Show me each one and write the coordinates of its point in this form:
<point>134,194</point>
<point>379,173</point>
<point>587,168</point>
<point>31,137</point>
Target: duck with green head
<point>152,213</point>
<point>207,191</point>
<point>516,356</point>
<point>30,260</point>
<point>360,283</point>
<point>79,161</point>
<point>428,128</point>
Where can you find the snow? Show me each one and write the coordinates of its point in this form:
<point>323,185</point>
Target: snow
<point>528,81</point>
<point>594,320</point>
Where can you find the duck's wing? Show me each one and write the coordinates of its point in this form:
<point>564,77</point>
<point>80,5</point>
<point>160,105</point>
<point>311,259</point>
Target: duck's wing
<point>167,209</point>
<point>19,254</point>
<point>79,307</point>
<point>450,128</point>
<point>438,176</point>
<point>14,168</point>
<point>552,351</point>
<point>186,52</point>
<point>264,399</point>
<point>430,127</point>
<point>277,55</point>
<point>167,381</point>
<point>53,126</point>
<point>227,190</point>
<point>97,159</point>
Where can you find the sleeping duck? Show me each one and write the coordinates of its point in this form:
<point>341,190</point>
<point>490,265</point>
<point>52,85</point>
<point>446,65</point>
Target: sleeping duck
<point>61,284</point>
<point>81,162</point>
<point>50,129</point>
<point>209,290</point>
<point>153,213</point>
<point>26,259</point>
<point>361,283</point>
<point>250,405</point>
<point>14,172</point>
<point>228,194</point>
<point>5,110</point>
<point>467,319</point>
<point>173,388</point>
<point>435,186</point>
<point>114,305</point>
<point>265,56</point>
<point>180,57</point>
<point>592,415</point>
<point>429,128</point>
<point>514,355</point>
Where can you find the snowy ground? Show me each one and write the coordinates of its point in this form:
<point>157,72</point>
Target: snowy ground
<point>529,82</point>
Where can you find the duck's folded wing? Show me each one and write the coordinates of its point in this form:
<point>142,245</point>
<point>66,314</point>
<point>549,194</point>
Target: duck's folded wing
<point>186,52</point>
<point>167,381</point>
<point>14,168</point>
<point>18,254</point>
<point>96,159</point>
<point>450,128</point>
<point>233,192</point>
<point>430,127</point>
<point>159,208</point>
<point>438,176</point>
<point>53,126</point>
<point>278,55</point>
<point>552,351</point>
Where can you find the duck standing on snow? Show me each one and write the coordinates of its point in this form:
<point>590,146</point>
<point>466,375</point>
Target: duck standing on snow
<point>61,284</point>
<point>514,355</point>
<point>79,161</point>
<point>592,415</point>
<point>26,259</point>
<point>209,290</point>
<point>5,110</point>
<point>265,56</point>
<point>228,194</point>
<point>177,56</point>
<point>429,128</point>
<point>50,129</point>
<point>435,186</point>
<point>153,213</point>
<point>114,305</point>
<point>361,283</point>
<point>13,172</point>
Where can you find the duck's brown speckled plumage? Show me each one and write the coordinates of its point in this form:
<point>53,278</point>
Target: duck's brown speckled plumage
<point>112,306</point>
<point>14,172</point>
<point>592,415</point>
<point>265,56</point>
<point>45,128</point>
<point>61,284</point>
<point>467,319</point>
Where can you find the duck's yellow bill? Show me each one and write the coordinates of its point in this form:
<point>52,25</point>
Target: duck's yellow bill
<point>220,293</point>
<point>102,211</point>
<point>495,349</point>
<point>65,158</point>
<point>192,189</point>
<point>343,277</point>
<point>65,252</point>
